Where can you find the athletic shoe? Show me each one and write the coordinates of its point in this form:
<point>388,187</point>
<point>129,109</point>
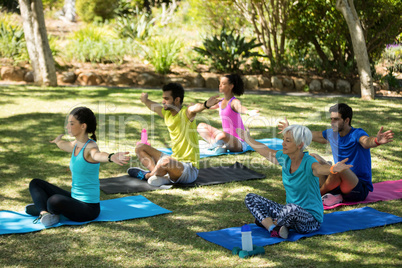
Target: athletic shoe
<point>219,143</point>
<point>280,231</point>
<point>32,210</point>
<point>220,150</point>
<point>47,219</point>
<point>158,181</point>
<point>331,199</point>
<point>137,172</point>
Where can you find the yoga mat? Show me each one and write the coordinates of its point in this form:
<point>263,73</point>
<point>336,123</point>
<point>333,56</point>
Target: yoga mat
<point>120,209</point>
<point>383,191</point>
<point>274,143</point>
<point>335,222</point>
<point>206,176</point>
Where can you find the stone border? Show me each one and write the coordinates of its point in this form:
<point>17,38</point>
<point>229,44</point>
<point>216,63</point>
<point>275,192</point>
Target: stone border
<point>200,80</point>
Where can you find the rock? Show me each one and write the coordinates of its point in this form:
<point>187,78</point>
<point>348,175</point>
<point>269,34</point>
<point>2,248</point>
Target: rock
<point>69,77</point>
<point>251,82</point>
<point>12,73</point>
<point>29,77</point>
<point>264,82</point>
<point>356,87</point>
<point>343,86</point>
<point>315,85</point>
<point>146,79</point>
<point>199,81</point>
<point>181,80</point>
<point>276,82</point>
<point>88,79</point>
<point>288,82</point>
<point>120,79</point>
<point>299,83</point>
<point>212,82</point>
<point>327,85</point>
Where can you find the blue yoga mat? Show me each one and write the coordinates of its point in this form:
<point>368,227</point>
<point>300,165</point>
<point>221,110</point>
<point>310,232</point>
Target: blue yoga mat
<point>119,209</point>
<point>335,222</point>
<point>274,144</point>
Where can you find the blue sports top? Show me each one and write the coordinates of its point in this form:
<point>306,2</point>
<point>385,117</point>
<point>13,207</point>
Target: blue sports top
<point>350,147</point>
<point>302,187</point>
<point>85,185</point>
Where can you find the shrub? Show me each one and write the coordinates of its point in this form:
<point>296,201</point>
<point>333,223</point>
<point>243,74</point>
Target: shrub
<point>227,51</point>
<point>137,26</point>
<point>12,42</point>
<point>97,45</point>
<point>162,52</point>
<point>93,10</point>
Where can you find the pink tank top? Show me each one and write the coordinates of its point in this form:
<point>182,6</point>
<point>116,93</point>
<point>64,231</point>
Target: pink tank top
<point>230,119</point>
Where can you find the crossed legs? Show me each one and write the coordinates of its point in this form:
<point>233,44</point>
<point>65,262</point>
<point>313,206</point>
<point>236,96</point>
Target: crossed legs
<point>346,180</point>
<point>211,135</point>
<point>157,165</point>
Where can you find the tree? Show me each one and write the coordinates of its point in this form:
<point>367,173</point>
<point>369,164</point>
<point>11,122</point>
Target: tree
<point>347,8</point>
<point>318,27</point>
<point>37,42</point>
<point>269,19</point>
<point>69,10</point>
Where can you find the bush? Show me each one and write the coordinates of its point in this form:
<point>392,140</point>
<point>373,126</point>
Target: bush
<point>227,51</point>
<point>94,10</point>
<point>12,42</point>
<point>97,45</point>
<point>162,53</point>
<point>138,26</point>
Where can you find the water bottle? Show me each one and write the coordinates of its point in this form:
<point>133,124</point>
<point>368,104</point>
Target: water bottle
<point>144,137</point>
<point>246,239</point>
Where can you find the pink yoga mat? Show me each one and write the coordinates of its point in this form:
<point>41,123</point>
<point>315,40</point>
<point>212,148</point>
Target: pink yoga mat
<point>383,191</point>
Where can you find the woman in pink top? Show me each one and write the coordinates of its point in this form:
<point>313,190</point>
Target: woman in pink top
<point>230,109</point>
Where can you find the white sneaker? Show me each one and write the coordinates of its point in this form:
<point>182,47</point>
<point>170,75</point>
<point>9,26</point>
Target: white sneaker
<point>220,150</point>
<point>158,181</point>
<point>330,199</point>
<point>49,219</point>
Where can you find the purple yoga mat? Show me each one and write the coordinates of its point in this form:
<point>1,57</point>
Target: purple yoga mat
<point>383,191</point>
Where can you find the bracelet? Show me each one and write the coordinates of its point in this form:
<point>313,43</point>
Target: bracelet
<point>332,170</point>
<point>376,142</point>
<point>110,157</point>
<point>205,105</point>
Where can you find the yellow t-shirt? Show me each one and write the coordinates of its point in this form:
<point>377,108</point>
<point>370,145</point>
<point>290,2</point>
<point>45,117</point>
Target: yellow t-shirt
<point>183,135</point>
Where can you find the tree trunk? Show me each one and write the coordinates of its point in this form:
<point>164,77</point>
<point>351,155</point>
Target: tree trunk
<point>37,42</point>
<point>347,8</point>
<point>69,10</point>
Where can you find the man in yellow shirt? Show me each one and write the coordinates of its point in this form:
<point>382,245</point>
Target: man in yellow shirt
<point>183,165</point>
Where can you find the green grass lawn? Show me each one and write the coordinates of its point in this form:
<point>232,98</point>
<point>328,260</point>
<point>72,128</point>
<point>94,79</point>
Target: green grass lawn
<point>31,116</point>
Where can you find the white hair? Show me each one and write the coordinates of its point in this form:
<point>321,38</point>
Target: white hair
<point>301,134</point>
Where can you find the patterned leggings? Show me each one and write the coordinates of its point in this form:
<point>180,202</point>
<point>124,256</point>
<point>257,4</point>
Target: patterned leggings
<point>290,215</point>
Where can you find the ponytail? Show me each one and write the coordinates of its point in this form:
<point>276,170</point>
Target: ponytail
<point>93,136</point>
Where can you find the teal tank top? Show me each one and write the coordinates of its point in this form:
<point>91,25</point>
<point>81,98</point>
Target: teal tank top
<point>85,177</point>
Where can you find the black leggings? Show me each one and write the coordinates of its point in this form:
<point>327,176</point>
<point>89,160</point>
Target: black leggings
<point>48,197</point>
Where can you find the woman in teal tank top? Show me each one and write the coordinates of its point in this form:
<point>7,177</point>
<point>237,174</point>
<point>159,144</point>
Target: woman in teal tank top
<point>82,203</point>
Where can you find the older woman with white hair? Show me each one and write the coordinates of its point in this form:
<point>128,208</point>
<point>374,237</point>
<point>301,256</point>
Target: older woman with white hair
<point>303,211</point>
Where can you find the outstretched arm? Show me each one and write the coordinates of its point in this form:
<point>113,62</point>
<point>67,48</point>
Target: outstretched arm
<point>237,107</point>
<point>153,106</point>
<point>260,148</point>
<point>381,138</point>
<point>319,169</point>
<point>120,158</point>
<point>66,146</point>
<point>199,107</point>
<point>317,135</point>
